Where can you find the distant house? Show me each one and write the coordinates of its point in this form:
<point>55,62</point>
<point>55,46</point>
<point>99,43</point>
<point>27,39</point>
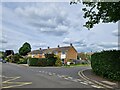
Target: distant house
<point>84,56</point>
<point>65,53</point>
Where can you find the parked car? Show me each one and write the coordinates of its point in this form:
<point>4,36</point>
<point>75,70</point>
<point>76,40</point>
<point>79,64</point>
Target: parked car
<point>3,61</point>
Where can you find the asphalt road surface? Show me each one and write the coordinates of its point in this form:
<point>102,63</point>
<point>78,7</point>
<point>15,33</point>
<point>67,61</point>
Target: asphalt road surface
<point>16,76</point>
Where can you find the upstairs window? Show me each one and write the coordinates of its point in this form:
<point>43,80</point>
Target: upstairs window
<point>63,52</point>
<point>56,53</point>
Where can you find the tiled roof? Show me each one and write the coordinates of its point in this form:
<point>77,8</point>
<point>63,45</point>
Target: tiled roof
<point>36,52</point>
<point>50,50</point>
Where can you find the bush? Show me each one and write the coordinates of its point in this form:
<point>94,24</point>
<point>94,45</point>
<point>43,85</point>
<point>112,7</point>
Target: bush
<point>51,59</point>
<point>22,61</point>
<point>58,62</point>
<point>37,62</point>
<point>107,64</point>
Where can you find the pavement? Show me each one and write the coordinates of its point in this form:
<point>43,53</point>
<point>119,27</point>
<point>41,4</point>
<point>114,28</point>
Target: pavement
<point>105,83</point>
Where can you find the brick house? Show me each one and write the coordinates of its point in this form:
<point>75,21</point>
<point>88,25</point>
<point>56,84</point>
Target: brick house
<point>65,53</point>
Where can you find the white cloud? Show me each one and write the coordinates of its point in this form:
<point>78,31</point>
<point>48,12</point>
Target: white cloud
<point>52,19</point>
<point>116,33</point>
<point>50,24</point>
<point>39,45</point>
<point>108,44</point>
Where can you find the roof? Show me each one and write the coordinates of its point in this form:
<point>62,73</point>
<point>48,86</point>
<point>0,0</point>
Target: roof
<point>36,52</point>
<point>66,48</point>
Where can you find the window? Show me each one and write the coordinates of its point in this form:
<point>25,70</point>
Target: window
<point>63,52</point>
<point>49,52</point>
<point>56,53</point>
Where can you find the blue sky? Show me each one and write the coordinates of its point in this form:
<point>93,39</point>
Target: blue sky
<point>44,24</point>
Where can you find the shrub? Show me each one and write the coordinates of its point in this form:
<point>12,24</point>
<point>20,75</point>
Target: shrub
<point>107,64</point>
<point>58,62</point>
<point>51,59</point>
<point>22,61</point>
<point>37,62</point>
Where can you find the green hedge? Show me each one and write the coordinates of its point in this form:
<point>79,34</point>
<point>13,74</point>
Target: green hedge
<point>22,61</point>
<point>37,62</point>
<point>107,64</point>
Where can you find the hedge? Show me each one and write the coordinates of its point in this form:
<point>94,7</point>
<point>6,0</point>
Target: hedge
<point>107,64</point>
<point>22,61</point>
<point>37,62</point>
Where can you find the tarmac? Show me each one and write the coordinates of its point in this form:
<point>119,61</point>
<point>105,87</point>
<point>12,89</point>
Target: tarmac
<point>89,75</point>
<point>107,84</point>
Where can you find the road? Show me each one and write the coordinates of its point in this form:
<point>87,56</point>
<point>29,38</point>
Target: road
<point>16,76</point>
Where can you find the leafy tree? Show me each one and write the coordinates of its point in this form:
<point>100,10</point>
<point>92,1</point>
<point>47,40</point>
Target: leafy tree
<point>25,49</point>
<point>97,12</point>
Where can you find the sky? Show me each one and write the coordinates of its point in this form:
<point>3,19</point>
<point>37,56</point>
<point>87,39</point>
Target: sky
<point>44,24</point>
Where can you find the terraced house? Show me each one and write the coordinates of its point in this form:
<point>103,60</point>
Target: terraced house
<point>65,53</point>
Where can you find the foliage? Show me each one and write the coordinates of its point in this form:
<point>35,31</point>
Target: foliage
<point>15,58</point>
<point>107,64</point>
<point>82,56</point>
<point>37,62</point>
<point>51,59</point>
<point>22,61</point>
<point>97,12</point>
<point>25,49</point>
<point>58,62</point>
<point>2,55</point>
<point>8,52</point>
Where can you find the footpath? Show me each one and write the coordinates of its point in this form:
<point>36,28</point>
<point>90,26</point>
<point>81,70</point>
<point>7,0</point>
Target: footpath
<point>90,76</point>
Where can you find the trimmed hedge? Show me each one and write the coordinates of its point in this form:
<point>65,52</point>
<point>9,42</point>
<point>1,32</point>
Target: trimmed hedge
<point>107,64</point>
<point>37,62</point>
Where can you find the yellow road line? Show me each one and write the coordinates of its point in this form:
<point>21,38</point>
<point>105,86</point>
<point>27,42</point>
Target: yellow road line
<point>14,78</point>
<point>17,85</point>
<point>11,79</point>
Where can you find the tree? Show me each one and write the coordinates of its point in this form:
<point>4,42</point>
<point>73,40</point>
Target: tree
<point>25,49</point>
<point>97,12</point>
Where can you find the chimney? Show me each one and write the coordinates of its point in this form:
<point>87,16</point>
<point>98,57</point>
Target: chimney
<point>70,44</point>
<point>58,46</point>
<point>48,47</point>
<point>40,48</point>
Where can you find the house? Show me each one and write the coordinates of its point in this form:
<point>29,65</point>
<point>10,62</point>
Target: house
<point>65,53</point>
<point>84,56</point>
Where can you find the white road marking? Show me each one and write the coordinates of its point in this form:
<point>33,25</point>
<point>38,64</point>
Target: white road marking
<point>95,86</point>
<point>108,82</point>
<point>50,74</point>
<point>54,73</point>
<point>66,78</point>
<point>84,83</point>
<point>70,77</point>
<point>78,80</point>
